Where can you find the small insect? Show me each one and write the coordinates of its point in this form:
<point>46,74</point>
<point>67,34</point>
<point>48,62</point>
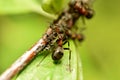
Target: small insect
<point>58,52</point>
<point>83,7</point>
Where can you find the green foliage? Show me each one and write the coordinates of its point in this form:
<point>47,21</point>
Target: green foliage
<point>54,6</point>
<point>43,68</point>
<point>22,6</point>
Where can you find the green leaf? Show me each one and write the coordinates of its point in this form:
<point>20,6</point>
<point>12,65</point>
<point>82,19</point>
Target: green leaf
<point>54,6</point>
<point>43,68</point>
<point>22,6</point>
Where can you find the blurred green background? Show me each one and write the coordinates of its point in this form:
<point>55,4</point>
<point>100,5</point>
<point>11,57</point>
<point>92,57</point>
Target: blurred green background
<point>99,53</point>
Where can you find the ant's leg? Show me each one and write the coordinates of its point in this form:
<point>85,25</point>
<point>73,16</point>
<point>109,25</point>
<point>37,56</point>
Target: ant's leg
<point>69,62</point>
<point>45,55</point>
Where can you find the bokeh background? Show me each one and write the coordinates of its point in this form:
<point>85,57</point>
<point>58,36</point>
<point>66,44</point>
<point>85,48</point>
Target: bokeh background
<point>100,53</point>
